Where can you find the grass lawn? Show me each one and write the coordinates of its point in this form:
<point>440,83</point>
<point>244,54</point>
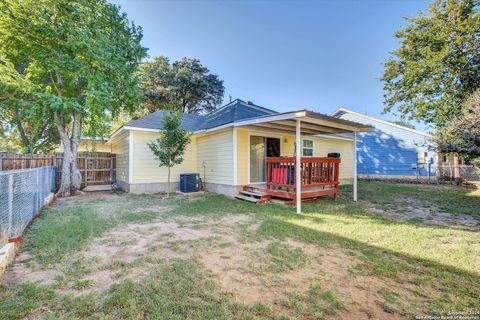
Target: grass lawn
<point>401,251</point>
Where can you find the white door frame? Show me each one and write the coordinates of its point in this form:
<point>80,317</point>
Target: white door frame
<point>265,135</point>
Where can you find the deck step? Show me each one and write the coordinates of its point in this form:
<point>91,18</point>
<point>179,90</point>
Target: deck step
<point>247,198</point>
<point>253,194</point>
<point>259,189</point>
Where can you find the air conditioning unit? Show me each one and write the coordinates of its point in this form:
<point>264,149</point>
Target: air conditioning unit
<point>189,182</point>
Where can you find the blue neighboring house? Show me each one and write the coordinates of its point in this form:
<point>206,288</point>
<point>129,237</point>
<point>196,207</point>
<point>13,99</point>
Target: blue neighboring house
<point>390,150</point>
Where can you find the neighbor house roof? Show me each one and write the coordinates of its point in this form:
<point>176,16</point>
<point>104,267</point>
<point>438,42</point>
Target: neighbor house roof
<point>341,111</point>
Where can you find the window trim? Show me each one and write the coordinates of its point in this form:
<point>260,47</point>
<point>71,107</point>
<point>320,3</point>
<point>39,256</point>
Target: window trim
<point>308,148</point>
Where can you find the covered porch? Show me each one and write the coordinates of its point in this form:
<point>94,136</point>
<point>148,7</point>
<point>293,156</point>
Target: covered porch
<point>315,176</point>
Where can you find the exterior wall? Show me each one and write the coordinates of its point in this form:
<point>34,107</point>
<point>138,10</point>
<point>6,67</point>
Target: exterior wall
<point>89,146</point>
<point>322,146</point>
<point>215,150</point>
<point>120,148</point>
<point>145,169</point>
<point>390,150</point>
<point>345,148</point>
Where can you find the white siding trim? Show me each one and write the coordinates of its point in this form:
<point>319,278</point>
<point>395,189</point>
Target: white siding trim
<point>354,166</point>
<point>234,156</point>
<point>142,129</point>
<point>298,161</point>
<point>130,157</point>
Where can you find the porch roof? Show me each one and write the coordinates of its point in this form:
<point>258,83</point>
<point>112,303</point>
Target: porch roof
<point>312,123</point>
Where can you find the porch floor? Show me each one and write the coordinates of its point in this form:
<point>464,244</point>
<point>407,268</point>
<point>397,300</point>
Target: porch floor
<point>263,186</point>
<point>258,193</point>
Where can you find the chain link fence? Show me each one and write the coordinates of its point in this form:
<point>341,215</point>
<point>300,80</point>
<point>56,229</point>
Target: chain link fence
<point>422,172</point>
<point>22,194</point>
<point>467,173</point>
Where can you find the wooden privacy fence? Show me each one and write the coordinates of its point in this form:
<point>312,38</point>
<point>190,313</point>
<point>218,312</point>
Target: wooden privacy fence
<point>96,168</point>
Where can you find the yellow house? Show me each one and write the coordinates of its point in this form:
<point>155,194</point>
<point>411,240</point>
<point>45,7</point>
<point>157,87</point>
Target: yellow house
<point>239,144</point>
<point>94,145</point>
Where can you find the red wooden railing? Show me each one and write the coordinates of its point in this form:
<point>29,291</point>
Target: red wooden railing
<point>320,174</point>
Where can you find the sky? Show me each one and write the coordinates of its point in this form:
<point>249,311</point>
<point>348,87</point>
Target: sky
<point>283,55</point>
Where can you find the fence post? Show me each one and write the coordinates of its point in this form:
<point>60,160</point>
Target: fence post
<point>10,203</point>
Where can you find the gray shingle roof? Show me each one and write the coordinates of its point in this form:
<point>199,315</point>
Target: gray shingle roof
<point>236,110</point>
<point>154,120</point>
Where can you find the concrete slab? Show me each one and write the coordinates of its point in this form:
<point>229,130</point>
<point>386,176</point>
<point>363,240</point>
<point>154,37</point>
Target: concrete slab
<point>103,187</point>
<point>7,252</point>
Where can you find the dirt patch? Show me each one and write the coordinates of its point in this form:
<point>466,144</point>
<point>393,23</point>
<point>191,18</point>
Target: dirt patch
<point>84,197</point>
<point>328,266</point>
<point>414,210</point>
<point>25,270</point>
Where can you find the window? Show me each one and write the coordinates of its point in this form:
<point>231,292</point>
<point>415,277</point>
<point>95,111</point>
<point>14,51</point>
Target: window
<point>307,150</point>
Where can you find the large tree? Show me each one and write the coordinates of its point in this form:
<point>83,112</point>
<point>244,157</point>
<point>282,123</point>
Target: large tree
<point>438,63</point>
<point>462,135</point>
<point>72,64</point>
<point>185,86</point>
<point>19,128</point>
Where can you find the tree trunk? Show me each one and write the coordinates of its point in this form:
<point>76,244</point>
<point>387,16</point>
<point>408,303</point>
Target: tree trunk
<point>168,187</point>
<point>456,169</point>
<point>71,176</point>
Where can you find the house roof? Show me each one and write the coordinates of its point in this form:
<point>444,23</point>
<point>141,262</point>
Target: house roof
<point>244,113</point>
<point>236,110</point>
<point>340,111</point>
<point>154,121</point>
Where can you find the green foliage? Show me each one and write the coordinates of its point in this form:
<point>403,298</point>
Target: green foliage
<point>17,117</point>
<point>403,123</point>
<point>437,65</point>
<point>170,147</point>
<point>462,135</point>
<point>64,61</point>
<point>186,86</point>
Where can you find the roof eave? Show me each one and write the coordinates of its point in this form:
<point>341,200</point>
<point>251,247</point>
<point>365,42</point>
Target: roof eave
<point>339,110</point>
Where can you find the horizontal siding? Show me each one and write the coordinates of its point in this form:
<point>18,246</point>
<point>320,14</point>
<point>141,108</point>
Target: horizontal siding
<point>145,166</point>
<point>242,157</point>
<point>389,150</point>
<point>325,146</point>
<point>216,152</point>
<point>287,149</point>
<point>120,148</point>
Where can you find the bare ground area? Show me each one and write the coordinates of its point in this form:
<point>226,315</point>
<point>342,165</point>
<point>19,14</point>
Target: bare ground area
<point>411,209</point>
<point>226,248</point>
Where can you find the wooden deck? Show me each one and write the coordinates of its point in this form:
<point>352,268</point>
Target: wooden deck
<point>319,177</point>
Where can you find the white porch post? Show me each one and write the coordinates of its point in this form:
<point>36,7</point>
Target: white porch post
<point>354,166</point>
<point>298,164</point>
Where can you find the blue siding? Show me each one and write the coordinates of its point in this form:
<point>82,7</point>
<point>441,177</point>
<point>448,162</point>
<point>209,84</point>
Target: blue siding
<point>388,150</point>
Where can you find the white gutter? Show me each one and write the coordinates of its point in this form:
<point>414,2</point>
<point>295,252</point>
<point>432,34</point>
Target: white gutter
<point>381,121</point>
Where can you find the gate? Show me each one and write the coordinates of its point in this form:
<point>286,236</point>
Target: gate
<point>97,168</point>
